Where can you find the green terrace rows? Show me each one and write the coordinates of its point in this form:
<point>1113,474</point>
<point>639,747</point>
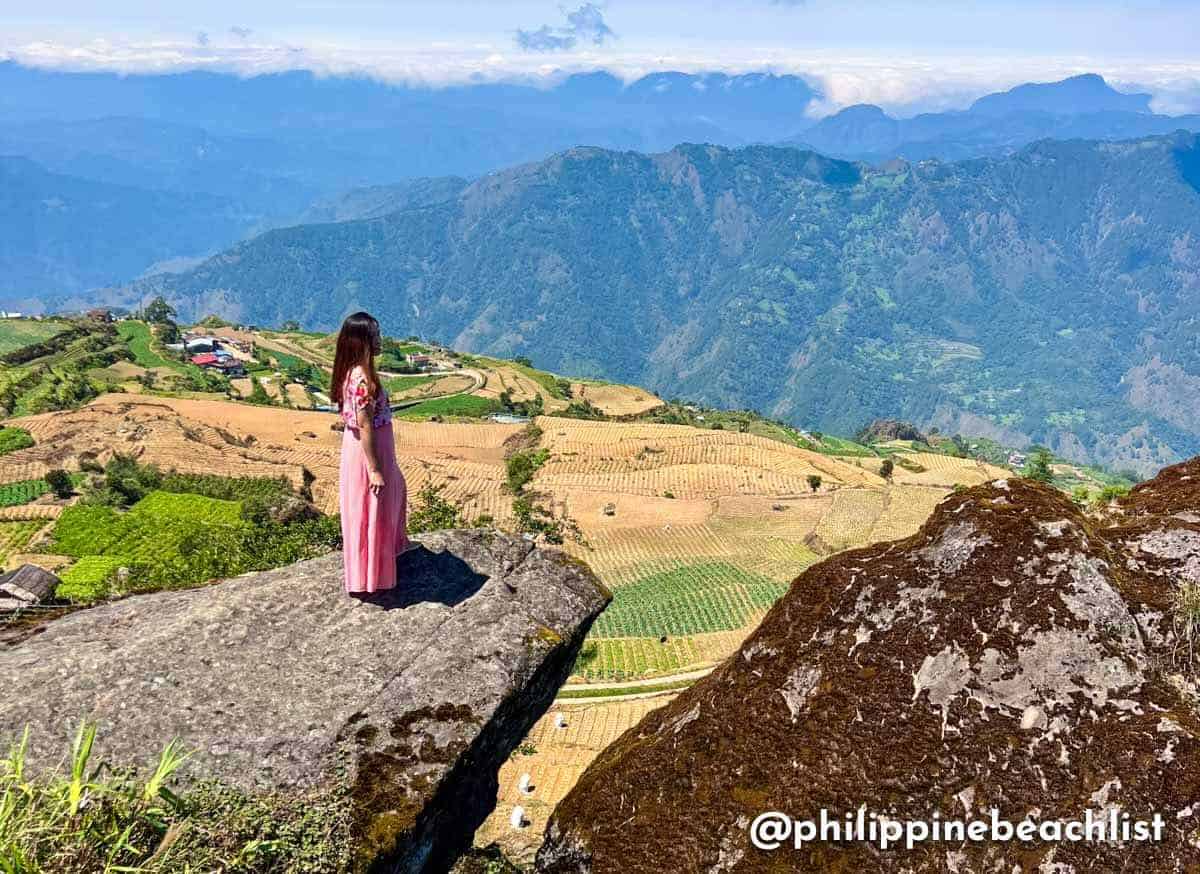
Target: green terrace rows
<point>22,492</point>
<point>15,536</point>
<point>711,596</point>
<point>18,333</point>
<point>631,658</point>
<point>152,528</point>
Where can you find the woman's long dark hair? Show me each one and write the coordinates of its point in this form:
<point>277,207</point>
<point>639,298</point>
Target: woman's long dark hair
<point>355,348</point>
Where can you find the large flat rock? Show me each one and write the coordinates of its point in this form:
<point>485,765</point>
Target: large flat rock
<point>281,683</point>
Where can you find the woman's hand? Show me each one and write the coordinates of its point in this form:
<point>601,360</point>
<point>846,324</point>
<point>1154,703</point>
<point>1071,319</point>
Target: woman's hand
<point>376,482</point>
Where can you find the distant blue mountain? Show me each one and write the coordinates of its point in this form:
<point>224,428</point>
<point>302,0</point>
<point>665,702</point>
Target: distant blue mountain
<point>1082,107</point>
<point>1078,95</point>
<point>63,234</point>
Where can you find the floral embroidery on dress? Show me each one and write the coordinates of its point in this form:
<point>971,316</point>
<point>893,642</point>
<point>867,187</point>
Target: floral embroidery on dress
<point>356,396</point>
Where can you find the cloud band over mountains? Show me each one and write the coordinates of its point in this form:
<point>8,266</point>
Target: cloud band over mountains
<point>902,85</point>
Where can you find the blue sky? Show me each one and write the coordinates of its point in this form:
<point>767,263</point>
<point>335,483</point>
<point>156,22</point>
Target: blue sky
<point>904,54</point>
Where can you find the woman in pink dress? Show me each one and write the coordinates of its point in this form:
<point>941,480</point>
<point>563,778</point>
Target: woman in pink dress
<point>373,493</point>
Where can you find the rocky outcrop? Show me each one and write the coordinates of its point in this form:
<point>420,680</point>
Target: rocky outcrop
<point>405,703</point>
<point>1013,654</point>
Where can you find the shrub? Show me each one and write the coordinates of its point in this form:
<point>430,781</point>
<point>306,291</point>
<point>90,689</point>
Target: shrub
<point>814,481</point>
<point>125,482</point>
<point>432,512</point>
<point>521,466</point>
<point>886,468</point>
<point>1186,610</point>
<point>60,483</point>
<point>1109,494</point>
<point>1038,467</point>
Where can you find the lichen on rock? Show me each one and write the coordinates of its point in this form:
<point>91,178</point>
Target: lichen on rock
<point>1013,654</point>
<point>405,704</point>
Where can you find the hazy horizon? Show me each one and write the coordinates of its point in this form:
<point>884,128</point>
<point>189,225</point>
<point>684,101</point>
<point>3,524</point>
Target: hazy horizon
<point>903,55</point>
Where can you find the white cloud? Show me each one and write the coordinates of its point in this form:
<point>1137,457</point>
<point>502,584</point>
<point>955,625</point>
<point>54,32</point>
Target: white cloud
<point>584,25</point>
<point>902,85</point>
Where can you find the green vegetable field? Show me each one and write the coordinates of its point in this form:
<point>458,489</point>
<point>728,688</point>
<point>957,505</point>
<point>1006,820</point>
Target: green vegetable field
<point>22,492</point>
<point>712,596</point>
<point>150,532</point>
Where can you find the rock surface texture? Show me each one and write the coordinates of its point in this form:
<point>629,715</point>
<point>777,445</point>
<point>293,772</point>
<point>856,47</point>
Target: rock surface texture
<point>1013,654</point>
<point>408,701</point>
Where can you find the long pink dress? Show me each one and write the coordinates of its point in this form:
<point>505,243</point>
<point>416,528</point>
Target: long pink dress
<point>373,528</point>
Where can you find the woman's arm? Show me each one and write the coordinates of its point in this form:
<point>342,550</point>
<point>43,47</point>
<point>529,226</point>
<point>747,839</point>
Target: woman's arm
<point>366,428</point>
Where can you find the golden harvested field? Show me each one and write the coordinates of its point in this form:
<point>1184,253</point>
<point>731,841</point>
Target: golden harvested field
<point>499,378</point>
<point>906,508</point>
<point>298,396</point>
<point>616,400</point>
<point>444,385</point>
<point>851,518</point>
<point>938,470</point>
<point>15,536</point>
<point>127,369</point>
<point>561,755</point>
<point>270,385</point>
<point>742,509</point>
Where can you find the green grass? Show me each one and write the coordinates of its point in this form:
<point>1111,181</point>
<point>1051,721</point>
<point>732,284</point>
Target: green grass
<point>283,360</point>
<point>468,406</point>
<point>91,816</point>
<point>15,333</point>
<point>711,596</point>
<point>633,657</point>
<point>138,337</point>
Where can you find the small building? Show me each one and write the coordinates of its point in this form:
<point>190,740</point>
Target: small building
<point>99,314</point>
<point>1017,459</point>
<point>196,345</point>
<point>419,360</point>
<point>205,359</point>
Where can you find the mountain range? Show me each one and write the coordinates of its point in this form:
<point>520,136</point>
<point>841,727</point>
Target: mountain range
<point>1082,107</point>
<point>278,150</point>
<point>1046,296</point>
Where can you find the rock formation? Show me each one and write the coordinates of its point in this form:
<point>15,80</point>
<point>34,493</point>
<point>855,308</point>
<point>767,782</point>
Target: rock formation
<point>1013,654</point>
<point>406,702</point>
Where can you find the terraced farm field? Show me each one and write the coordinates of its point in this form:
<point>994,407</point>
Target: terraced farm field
<point>15,333</point>
<point>554,760</point>
<point>696,531</point>
<point>15,536</point>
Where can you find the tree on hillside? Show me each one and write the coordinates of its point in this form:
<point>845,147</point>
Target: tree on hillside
<point>158,311</point>
<point>814,481</point>
<point>168,332</point>
<point>886,468</point>
<point>290,325</point>
<point>1038,466</point>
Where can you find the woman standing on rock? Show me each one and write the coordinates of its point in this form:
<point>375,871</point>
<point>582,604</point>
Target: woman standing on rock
<point>373,494</point>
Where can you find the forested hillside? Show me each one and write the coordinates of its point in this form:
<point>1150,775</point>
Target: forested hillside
<point>1045,296</point>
